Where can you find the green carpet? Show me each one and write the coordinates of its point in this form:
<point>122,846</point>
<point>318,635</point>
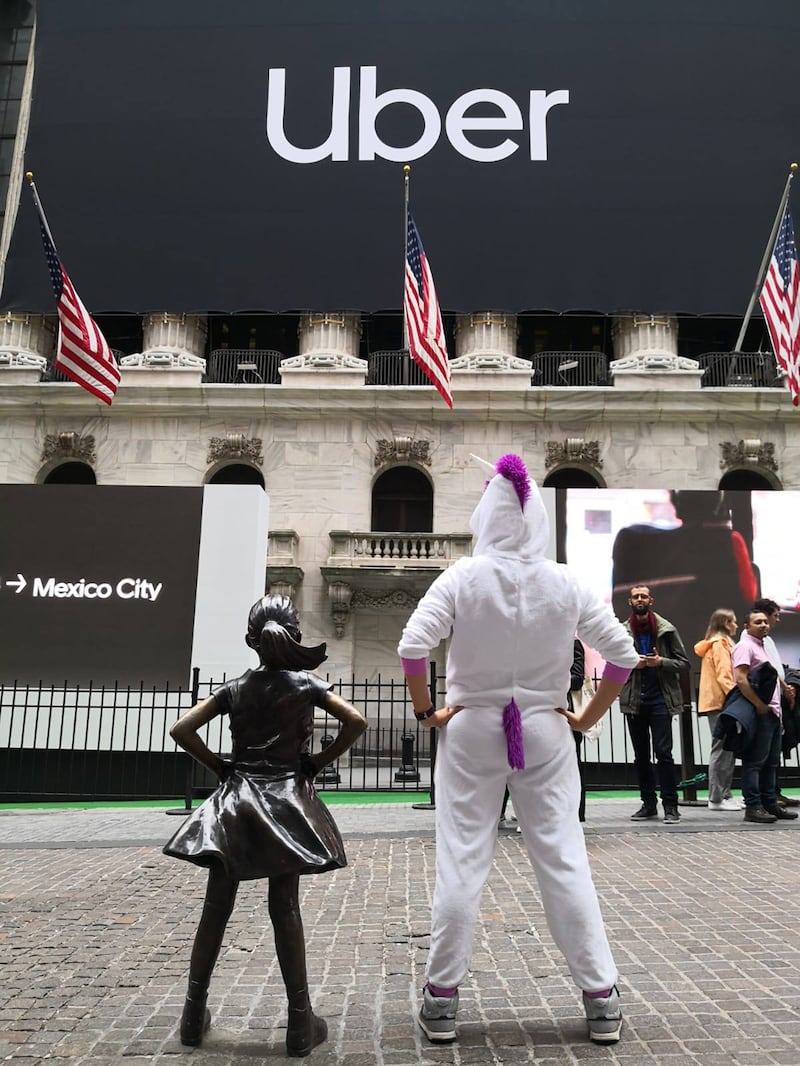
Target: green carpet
<point>332,798</point>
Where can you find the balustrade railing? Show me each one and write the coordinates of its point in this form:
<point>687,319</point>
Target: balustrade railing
<point>362,548</point>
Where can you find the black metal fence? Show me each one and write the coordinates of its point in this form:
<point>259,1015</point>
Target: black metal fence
<point>112,743</point>
<point>394,368</point>
<point>743,370</point>
<point>244,366</point>
<point>575,369</point>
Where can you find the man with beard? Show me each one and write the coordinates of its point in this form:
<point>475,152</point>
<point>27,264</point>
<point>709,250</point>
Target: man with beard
<point>651,696</point>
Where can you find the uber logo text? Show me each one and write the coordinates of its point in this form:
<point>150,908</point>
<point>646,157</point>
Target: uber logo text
<point>370,104</point>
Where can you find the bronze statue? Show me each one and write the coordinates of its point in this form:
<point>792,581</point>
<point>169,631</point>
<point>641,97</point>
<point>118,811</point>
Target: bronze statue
<point>265,819</point>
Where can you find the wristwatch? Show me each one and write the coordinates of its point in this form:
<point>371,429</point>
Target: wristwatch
<point>422,715</point>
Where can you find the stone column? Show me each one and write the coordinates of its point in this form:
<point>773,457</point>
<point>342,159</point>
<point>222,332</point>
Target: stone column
<point>486,352</point>
<point>486,333</point>
<point>329,345</point>
<point>26,344</point>
<point>173,351</point>
<point>646,354</point>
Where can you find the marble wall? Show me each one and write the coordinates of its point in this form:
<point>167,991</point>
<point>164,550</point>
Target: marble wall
<point>319,456</point>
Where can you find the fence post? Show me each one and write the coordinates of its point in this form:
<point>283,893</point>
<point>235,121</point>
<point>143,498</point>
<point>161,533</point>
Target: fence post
<point>431,806</point>
<point>188,787</point>
<point>689,776</point>
<point>407,771</point>
<point>329,775</point>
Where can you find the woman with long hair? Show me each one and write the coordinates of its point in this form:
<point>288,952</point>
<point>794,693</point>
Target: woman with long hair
<point>716,681</point>
<point>265,819</point>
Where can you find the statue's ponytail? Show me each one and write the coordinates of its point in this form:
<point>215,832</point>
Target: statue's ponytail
<point>281,651</point>
<point>273,630</point>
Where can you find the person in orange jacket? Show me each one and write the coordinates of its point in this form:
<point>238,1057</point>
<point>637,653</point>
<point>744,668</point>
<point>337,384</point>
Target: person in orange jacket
<point>716,681</point>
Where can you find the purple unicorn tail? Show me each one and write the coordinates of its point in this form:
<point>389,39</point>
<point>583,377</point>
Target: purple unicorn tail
<point>512,726</point>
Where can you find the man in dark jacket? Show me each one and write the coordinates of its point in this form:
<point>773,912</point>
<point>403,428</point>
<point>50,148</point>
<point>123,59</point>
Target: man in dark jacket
<point>652,694</point>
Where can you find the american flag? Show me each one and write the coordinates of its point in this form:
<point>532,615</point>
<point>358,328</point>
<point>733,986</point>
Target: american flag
<point>423,318</point>
<point>82,352</point>
<point>781,307</point>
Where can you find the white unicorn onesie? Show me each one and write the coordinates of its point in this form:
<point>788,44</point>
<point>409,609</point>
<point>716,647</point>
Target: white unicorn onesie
<point>513,616</point>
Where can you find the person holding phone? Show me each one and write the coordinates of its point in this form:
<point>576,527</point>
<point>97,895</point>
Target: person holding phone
<point>650,697</point>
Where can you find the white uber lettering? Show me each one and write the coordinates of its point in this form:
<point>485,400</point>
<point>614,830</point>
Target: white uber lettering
<point>126,589</point>
<point>370,106</point>
<point>541,103</point>
<point>44,588</point>
<point>337,145</point>
<point>456,122</point>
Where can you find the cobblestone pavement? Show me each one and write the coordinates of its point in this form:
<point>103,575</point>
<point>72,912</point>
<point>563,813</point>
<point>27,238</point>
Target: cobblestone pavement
<point>96,928</point>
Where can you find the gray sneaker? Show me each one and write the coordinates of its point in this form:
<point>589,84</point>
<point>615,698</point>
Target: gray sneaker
<point>604,1017</point>
<point>437,1017</point>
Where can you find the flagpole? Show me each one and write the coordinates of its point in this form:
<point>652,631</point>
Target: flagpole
<point>762,270</point>
<point>406,354</point>
<point>38,204</point>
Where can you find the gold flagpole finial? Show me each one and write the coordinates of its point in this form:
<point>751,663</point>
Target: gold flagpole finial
<point>407,169</point>
<point>793,167</point>
<point>29,175</point>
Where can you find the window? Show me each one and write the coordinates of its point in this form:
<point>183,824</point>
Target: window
<point>71,473</point>
<point>237,474</point>
<point>402,502</point>
<point>571,477</point>
<point>746,480</point>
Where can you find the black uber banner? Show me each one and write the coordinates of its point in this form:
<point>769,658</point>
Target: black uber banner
<point>599,155</point>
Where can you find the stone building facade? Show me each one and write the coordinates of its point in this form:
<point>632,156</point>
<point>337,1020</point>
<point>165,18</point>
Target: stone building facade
<point>322,442</point>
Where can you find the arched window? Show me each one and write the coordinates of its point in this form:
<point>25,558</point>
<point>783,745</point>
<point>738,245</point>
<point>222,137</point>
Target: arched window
<point>237,474</point>
<point>402,502</point>
<point>747,480</point>
<point>572,477</point>
<point>71,473</point>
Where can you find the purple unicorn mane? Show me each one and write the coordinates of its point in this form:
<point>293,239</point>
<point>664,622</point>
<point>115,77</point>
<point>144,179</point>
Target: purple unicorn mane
<point>513,468</point>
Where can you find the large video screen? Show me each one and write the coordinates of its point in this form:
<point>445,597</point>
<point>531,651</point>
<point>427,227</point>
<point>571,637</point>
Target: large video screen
<point>696,550</point>
<point>97,584</point>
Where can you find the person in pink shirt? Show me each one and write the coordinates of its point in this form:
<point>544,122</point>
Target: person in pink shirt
<point>761,759</point>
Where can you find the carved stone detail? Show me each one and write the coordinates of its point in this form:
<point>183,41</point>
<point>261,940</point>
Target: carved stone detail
<point>340,595</point>
<point>573,450</point>
<point>323,361</point>
<point>490,361</point>
<point>235,446</point>
<point>69,445</point>
<point>163,361</point>
<point>659,361</point>
<point>398,598</point>
<point>402,449</point>
<point>22,361</point>
<point>750,451</point>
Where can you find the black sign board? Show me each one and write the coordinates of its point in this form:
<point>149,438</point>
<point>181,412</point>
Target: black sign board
<point>601,155</point>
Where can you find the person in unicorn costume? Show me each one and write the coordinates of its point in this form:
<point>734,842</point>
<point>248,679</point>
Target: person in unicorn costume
<point>513,616</point>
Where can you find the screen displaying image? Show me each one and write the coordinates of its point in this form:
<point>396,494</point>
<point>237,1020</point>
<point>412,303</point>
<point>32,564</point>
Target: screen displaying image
<point>697,550</point>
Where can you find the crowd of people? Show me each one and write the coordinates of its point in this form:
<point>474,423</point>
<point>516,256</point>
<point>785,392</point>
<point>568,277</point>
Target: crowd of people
<point>653,694</point>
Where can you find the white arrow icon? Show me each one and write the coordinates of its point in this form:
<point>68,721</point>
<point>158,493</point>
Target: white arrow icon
<point>19,584</point>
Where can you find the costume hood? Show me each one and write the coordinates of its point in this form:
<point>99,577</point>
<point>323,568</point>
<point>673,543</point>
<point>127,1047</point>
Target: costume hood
<point>511,517</point>
<point>702,647</point>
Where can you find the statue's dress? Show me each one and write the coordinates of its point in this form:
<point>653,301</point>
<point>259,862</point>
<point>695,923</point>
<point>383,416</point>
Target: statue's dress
<point>265,819</point>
